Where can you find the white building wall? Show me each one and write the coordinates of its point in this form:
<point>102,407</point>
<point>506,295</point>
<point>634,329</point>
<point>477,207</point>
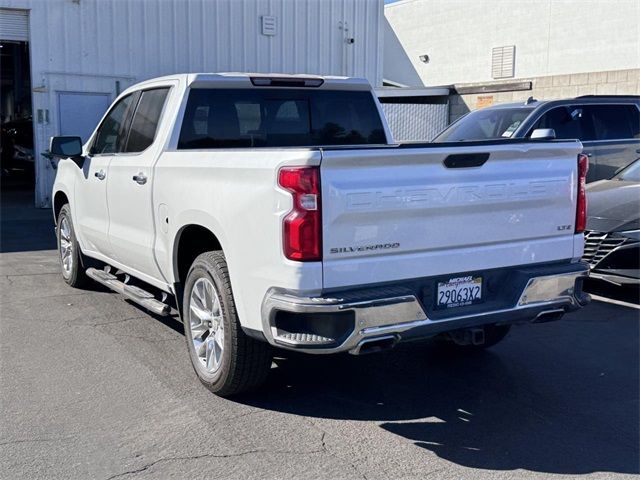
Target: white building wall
<point>396,63</point>
<point>552,37</point>
<point>89,45</point>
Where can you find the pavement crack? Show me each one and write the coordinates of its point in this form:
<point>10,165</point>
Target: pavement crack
<point>242,453</point>
<point>11,275</point>
<point>326,450</point>
<point>236,417</point>
<point>34,440</point>
<point>147,339</point>
<point>174,459</point>
<point>121,320</point>
<point>91,321</point>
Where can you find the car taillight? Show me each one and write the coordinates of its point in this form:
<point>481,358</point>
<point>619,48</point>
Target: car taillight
<point>581,208</point>
<point>302,227</point>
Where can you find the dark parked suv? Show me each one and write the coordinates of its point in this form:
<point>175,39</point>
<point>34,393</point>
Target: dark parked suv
<point>608,127</point>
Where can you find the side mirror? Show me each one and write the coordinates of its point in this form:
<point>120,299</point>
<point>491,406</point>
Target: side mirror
<point>65,147</point>
<point>543,134</point>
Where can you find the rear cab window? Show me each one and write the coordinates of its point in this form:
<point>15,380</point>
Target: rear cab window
<point>245,118</point>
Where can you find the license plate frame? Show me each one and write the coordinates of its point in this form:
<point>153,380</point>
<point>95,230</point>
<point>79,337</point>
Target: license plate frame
<point>463,292</point>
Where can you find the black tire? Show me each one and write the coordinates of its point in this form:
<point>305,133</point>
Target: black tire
<point>74,275</point>
<point>493,334</point>
<point>245,362</point>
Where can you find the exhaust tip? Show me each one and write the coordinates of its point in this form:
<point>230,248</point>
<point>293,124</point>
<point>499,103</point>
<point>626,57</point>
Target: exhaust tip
<point>374,345</point>
<point>549,316</point>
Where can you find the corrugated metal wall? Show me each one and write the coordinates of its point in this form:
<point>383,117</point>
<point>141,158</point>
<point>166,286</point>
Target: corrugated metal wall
<point>89,45</point>
<point>410,122</point>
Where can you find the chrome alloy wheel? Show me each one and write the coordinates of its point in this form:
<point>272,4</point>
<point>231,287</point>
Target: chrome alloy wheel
<point>66,247</point>
<point>207,325</point>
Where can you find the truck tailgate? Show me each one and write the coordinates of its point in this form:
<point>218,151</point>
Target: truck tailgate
<point>399,213</point>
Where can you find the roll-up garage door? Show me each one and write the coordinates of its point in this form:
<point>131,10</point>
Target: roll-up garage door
<point>14,25</point>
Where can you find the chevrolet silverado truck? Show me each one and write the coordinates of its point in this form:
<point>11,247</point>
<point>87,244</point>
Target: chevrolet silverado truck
<point>277,211</point>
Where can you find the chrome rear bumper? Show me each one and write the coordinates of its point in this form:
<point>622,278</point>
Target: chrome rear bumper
<point>396,313</point>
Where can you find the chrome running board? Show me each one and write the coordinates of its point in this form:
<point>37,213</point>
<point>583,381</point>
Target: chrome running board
<point>131,292</point>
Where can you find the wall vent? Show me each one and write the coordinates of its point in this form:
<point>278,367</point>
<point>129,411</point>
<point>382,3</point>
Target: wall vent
<point>503,61</point>
<point>14,25</point>
<point>269,25</point>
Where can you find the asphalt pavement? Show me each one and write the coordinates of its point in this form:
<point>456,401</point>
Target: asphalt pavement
<point>93,387</point>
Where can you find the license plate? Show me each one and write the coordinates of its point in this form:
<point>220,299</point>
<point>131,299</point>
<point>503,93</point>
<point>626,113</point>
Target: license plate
<point>459,292</point>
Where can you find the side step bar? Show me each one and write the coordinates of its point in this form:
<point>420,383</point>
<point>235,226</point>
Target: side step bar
<point>133,293</point>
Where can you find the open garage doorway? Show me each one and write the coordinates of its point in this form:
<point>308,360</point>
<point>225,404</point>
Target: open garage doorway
<point>16,122</point>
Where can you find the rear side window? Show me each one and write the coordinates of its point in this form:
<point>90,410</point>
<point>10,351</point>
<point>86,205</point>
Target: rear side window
<point>569,122</point>
<point>145,120</point>
<point>612,122</point>
<point>236,118</point>
<point>112,131</point>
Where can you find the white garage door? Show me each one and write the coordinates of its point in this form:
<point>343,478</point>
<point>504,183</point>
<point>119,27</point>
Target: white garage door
<point>80,112</point>
<point>14,25</point>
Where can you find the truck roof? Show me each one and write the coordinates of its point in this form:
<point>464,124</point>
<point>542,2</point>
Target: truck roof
<point>246,79</point>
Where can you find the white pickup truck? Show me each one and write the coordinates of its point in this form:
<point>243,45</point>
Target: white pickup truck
<point>277,211</point>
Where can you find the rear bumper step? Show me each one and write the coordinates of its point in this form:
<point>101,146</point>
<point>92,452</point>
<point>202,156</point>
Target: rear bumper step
<point>131,292</point>
<point>377,318</point>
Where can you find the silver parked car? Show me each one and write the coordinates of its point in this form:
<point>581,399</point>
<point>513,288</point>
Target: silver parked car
<point>608,127</point>
<point>612,238</point>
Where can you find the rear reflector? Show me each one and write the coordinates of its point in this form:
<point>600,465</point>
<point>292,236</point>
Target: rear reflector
<point>581,203</point>
<point>302,227</point>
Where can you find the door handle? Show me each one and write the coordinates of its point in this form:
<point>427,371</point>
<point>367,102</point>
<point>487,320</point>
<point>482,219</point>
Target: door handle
<point>140,178</point>
<point>100,175</point>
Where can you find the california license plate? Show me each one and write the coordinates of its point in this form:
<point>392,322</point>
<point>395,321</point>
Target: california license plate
<point>459,292</point>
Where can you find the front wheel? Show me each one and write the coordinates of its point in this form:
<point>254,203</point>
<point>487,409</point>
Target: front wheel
<point>226,360</point>
<point>69,250</point>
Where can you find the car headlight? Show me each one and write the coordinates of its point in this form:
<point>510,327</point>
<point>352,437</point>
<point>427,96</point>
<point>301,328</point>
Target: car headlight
<point>634,234</point>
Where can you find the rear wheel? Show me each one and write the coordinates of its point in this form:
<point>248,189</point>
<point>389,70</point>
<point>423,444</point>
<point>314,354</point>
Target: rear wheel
<point>73,271</point>
<point>225,359</point>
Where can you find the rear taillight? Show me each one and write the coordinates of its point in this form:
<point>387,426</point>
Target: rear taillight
<point>581,208</point>
<point>302,227</point>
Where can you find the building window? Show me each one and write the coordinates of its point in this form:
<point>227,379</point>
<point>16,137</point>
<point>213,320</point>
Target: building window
<point>503,60</point>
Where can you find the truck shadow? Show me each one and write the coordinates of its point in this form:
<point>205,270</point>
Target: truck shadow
<point>541,408</point>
